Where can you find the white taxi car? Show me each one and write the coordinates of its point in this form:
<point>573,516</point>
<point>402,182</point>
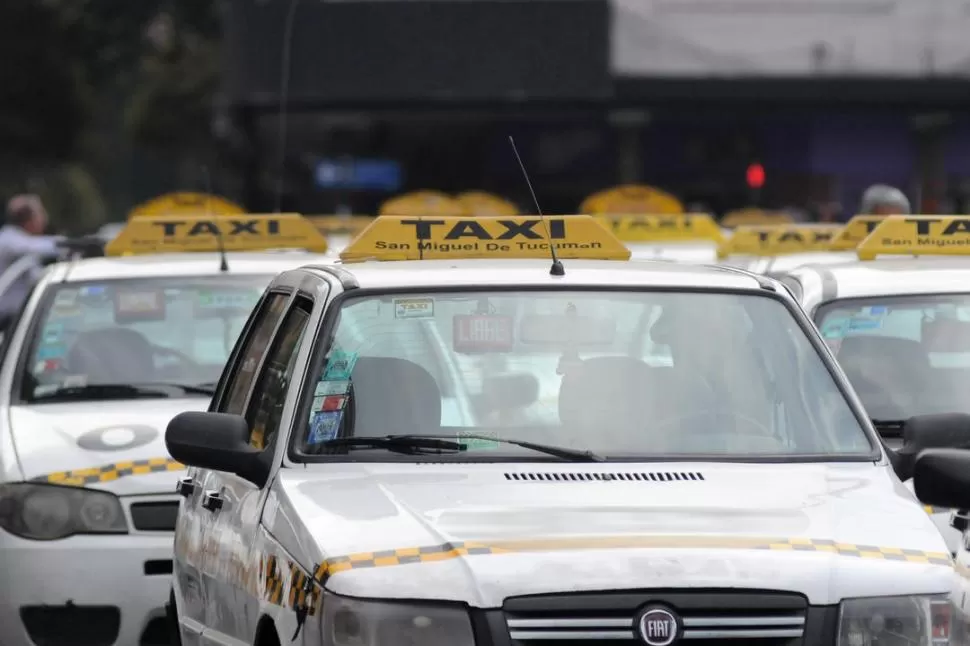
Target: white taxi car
<point>106,351</point>
<point>773,250</point>
<point>899,326</point>
<point>738,493</point>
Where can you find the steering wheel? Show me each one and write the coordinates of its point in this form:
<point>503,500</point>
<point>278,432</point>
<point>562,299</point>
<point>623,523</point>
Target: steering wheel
<point>717,413</point>
<point>185,362</point>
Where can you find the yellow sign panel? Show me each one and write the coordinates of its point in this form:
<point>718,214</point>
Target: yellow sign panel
<point>422,203</point>
<point>338,225</point>
<point>249,232</point>
<point>855,231</point>
<point>684,227</point>
<point>449,237</point>
<point>779,240</point>
<point>918,235</point>
<point>760,217</point>
<point>631,199</point>
<point>195,204</point>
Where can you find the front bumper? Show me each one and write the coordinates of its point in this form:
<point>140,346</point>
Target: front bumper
<point>85,590</point>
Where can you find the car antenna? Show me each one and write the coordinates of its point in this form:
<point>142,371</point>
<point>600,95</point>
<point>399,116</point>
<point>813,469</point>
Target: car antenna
<point>557,268</point>
<point>223,260</point>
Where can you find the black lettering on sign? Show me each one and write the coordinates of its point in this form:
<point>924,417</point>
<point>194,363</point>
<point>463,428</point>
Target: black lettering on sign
<point>957,226</point>
<point>474,229</point>
<point>655,223</point>
<point>117,438</point>
<point>923,226</point>
<point>763,236</point>
<point>796,236</point>
<point>208,227</point>
<point>871,226</point>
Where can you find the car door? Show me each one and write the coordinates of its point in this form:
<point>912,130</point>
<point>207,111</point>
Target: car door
<point>234,609</point>
<point>196,522</point>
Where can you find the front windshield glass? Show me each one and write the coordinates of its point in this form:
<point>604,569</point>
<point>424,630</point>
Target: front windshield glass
<point>135,333</point>
<point>904,355</point>
<point>621,374</point>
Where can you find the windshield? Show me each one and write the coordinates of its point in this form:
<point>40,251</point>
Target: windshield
<point>621,374</point>
<point>904,356</point>
<point>136,332</point>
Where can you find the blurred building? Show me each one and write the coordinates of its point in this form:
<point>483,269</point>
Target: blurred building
<point>828,96</point>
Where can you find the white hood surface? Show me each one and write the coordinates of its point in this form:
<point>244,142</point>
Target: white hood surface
<point>483,533</point>
<point>118,446</point>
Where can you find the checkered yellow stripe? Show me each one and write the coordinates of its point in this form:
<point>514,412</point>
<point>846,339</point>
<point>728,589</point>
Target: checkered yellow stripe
<point>108,472</point>
<point>290,583</point>
<point>454,550</point>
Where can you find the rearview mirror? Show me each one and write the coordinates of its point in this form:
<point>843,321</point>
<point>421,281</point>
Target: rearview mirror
<point>940,431</point>
<point>941,477</point>
<point>216,441</point>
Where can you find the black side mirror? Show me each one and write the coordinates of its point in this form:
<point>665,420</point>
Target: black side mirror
<point>941,431</point>
<point>216,441</point>
<point>941,477</point>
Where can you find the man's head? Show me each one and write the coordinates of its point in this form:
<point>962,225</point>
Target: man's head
<point>884,200</point>
<point>27,212</point>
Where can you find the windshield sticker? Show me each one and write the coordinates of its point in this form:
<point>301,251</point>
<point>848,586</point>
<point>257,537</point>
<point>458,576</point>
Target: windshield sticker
<point>324,426</point>
<point>51,351</point>
<point>478,441</point>
<point>53,333</point>
<point>93,292</point>
<point>75,381</point>
<point>864,324</point>
<point>48,365</point>
<point>136,306</point>
<point>325,388</point>
<point>413,308</point>
<point>340,365</point>
<point>65,298</point>
<point>835,327</point>
<point>875,311</point>
<point>236,299</point>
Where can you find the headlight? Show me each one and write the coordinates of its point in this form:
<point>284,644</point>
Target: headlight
<point>349,622</point>
<point>889,621</point>
<point>48,512</point>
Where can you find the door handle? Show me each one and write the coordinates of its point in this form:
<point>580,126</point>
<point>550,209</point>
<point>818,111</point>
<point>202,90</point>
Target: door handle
<point>212,500</point>
<point>185,487</point>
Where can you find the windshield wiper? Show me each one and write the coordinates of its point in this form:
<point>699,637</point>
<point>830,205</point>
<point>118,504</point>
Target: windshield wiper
<point>93,392</point>
<point>407,444</point>
<point>189,389</point>
<point>573,455</point>
<point>889,427</point>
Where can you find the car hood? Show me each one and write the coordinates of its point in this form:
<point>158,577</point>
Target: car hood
<point>118,446</point>
<point>484,533</point>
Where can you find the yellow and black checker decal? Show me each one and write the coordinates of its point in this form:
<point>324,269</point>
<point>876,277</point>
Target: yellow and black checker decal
<point>454,550</point>
<point>295,587</point>
<point>108,472</point>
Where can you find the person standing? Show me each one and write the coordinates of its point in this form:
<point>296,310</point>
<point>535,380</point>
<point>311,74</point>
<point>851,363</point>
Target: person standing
<point>22,235</point>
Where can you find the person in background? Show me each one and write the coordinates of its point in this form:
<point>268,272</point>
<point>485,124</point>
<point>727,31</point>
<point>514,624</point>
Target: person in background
<point>22,235</point>
<point>881,199</point>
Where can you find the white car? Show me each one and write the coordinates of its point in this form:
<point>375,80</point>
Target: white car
<point>900,328</point>
<point>105,353</point>
<point>738,493</point>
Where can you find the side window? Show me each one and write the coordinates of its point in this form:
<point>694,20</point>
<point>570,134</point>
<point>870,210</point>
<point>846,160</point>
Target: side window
<point>266,407</point>
<point>255,347</point>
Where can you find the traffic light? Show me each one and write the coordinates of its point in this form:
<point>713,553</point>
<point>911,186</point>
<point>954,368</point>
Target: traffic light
<point>755,175</point>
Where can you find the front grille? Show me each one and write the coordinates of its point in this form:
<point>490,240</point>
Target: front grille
<point>156,516</point>
<point>708,617</point>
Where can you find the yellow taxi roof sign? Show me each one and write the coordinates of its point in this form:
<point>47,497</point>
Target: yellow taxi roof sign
<point>752,216</point>
<point>478,203</point>
<point>461,237</point>
<point>776,240</point>
<point>185,203</point>
<point>422,203</point>
<point>918,235</point>
<point>631,199</point>
<point>855,231</point>
<point>248,232</point>
<point>683,227</point>
<point>339,225</point>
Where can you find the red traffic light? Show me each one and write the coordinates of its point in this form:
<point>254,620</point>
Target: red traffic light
<point>756,175</point>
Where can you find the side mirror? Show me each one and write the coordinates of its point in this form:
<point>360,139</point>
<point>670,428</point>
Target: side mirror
<point>940,431</point>
<point>216,441</point>
<point>941,477</point>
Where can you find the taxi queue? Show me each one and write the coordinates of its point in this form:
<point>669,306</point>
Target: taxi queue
<point>113,348</point>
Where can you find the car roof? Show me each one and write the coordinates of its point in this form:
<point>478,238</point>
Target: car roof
<point>890,277</point>
<point>535,273</point>
<point>183,264</point>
